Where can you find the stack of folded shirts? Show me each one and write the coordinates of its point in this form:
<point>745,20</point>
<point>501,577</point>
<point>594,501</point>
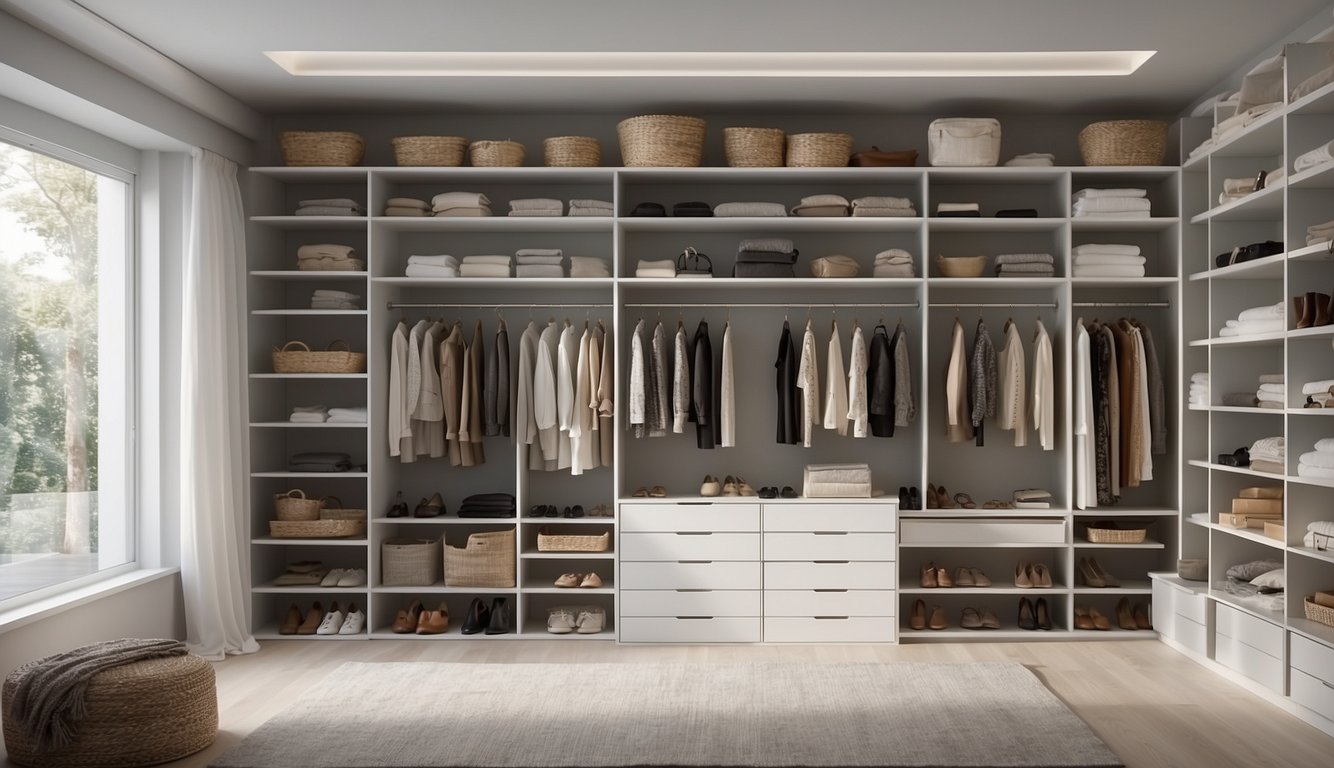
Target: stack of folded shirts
<point>326,299</point>
<point>328,257</point>
<point>539,262</point>
<point>309,414</point>
<point>694,209</point>
<point>1253,507</point>
<point>347,415</point>
<point>584,207</point>
<point>822,205</point>
<point>1112,203</point>
<point>537,206</point>
<point>1032,498</point>
<point>1267,319</point>
<point>588,266</point>
<point>1320,535</point>
<point>1272,393</point>
<point>1240,120</point>
<point>1031,159</point>
<point>485,266</point>
<point>750,209</point>
<point>305,573</point>
<point>1270,454</point>
<point>1199,390</point>
<point>1320,233</point>
<point>1025,265</point>
<point>1107,260</point>
<point>320,462</point>
<point>1017,213</point>
<point>487,505</point>
<point>1236,189</point>
<point>407,206</point>
<point>1319,392</point>
<point>443,265</point>
<point>765,257</point>
<point>1318,156</point>
<point>895,262</point>
<point>461,204</point>
<point>335,206</point>
<point>660,268</point>
<point>899,207</point>
<point>1319,462</point>
<point>958,210</point>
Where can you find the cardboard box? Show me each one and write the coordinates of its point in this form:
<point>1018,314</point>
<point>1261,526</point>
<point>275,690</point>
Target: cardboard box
<point>1262,492</point>
<point>1258,507</point>
<point>1275,531</point>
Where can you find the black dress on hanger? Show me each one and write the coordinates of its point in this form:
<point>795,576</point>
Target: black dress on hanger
<point>786,366</point>
<point>706,416</point>
<point>880,384</point>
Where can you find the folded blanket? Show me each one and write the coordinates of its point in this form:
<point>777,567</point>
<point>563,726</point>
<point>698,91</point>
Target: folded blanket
<point>501,259</point>
<point>893,256</point>
<point>588,266</point>
<point>577,211</point>
<point>1275,405</point>
<point>308,418</point>
<point>1091,193</point>
<point>892,270</point>
<point>1024,258</point>
<point>446,200</point>
<point>957,207</point>
<point>536,204</point>
<point>1108,270</point>
<point>407,202</point>
<point>1272,467</point>
<point>881,202</point>
<point>1313,83</point>
<point>1272,378</point>
<point>326,250</point>
<point>328,210</point>
<point>1323,527</point>
<point>881,213</point>
<point>1312,471</point>
<point>1111,205</point>
<point>443,260</point>
<point>1321,154</point>
<point>660,268</point>
<point>1031,159</point>
<point>330,202</point>
<point>1325,445</point>
<point>1108,259</point>
<point>1239,400</point>
<point>1251,328</point>
<point>348,415</point>
<point>1106,249</point>
<point>750,209</point>
<point>462,211</point>
<point>1276,389</point>
<point>773,244</point>
<point>1267,312</point>
<point>539,270</point>
<point>1270,447</point>
<point>536,213</point>
<point>822,201</point>
<point>1321,459</point>
<point>483,269</point>
<point>394,211</point>
<point>427,270</point>
<point>584,202</point>
<point>1200,377</point>
<point>542,260</point>
<point>1029,266</point>
<point>1324,226</point>
<point>1114,214</point>
<point>1274,397</point>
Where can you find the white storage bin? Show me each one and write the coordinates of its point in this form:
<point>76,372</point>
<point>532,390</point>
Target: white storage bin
<point>1313,658</point>
<point>1164,608</point>
<point>959,532</point>
<point>1313,693</point>
<point>964,141</point>
<point>1257,633</point>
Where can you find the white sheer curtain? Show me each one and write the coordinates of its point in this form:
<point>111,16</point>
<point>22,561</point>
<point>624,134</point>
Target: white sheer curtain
<point>215,561</point>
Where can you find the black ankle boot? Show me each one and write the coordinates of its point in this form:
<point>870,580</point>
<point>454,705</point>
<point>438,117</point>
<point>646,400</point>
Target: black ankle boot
<point>500,617</point>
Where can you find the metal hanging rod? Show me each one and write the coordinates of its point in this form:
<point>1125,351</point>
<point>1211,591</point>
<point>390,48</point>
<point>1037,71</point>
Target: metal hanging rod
<point>1051,305</point>
<point>788,305</point>
<point>441,305</point>
<point>1121,304</point>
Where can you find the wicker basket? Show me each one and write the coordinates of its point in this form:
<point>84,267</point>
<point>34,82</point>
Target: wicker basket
<point>326,148</point>
<point>333,509</point>
<point>317,529</point>
<point>296,357</point>
<point>496,154</point>
<point>486,561</point>
<point>571,152</point>
<point>818,150</point>
<point>1317,612</point>
<point>560,542</point>
<point>1117,535</point>
<point>961,266</point>
<point>410,562</point>
<point>294,506</point>
<point>661,141</point>
<point>435,151</point>
<point>753,147</point>
<point>1124,142</point>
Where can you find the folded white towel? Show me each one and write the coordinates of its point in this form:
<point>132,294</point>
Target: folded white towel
<point>1325,445</point>
<point>821,201</point>
<point>1252,328</point>
<point>1113,249</point>
<point>537,213</point>
<point>1321,154</point>
<point>441,260</point>
<point>328,210</point>
<point>1270,446</point>
<point>1031,159</point>
<point>1317,387</point>
<point>446,200</point>
<point>545,261</point>
<point>539,252</point>
<point>536,204</point>
<point>427,270</point>
<point>1108,259</point>
<point>307,418</point>
<point>463,211</point>
<point>892,270</point>
<point>893,256</point>
<point>1200,376</point>
<point>357,415</point>
<point>1112,205</point>
<point>656,273</point>
<point>884,213</point>
<point>659,264</point>
<point>1091,193</point>
<point>1107,270</point>
<point>407,202</point>
<point>1277,389</point>
<point>1113,214</point>
<point>588,266</point>
<point>957,207</point>
<point>881,202</point>
<point>499,259</point>
<point>1267,312</point>
<point>330,202</point>
<point>1270,397</point>
<point>1312,471</point>
<point>1324,527</point>
<point>1239,186</point>
<point>484,269</point>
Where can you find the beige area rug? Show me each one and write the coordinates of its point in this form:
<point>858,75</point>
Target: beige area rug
<point>424,715</point>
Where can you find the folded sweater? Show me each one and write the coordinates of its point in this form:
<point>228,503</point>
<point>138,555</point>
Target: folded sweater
<point>1108,270</point>
<point>1112,249</point>
<point>446,200</point>
<point>750,209</point>
<point>1111,205</point>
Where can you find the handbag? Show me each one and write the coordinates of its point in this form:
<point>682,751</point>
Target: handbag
<point>692,263</point>
<point>875,157</point>
<point>964,141</point>
<point>1251,252</point>
<point>837,265</point>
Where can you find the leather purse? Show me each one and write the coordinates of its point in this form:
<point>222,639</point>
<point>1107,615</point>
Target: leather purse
<point>875,157</point>
<point>1251,252</point>
<point>836,265</point>
<point>692,263</point>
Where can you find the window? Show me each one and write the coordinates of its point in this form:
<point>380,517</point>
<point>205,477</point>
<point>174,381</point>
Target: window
<point>66,361</point>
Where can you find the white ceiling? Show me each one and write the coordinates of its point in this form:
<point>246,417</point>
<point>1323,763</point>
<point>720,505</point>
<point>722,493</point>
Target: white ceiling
<point>1198,42</point>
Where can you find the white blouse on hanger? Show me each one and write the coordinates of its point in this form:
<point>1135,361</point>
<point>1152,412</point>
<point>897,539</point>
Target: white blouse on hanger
<point>1044,390</point>
<point>727,408</point>
<point>1011,414</point>
<point>808,381</point>
<point>836,392</point>
<point>1086,462</point>
<point>857,405</point>
<point>399,417</point>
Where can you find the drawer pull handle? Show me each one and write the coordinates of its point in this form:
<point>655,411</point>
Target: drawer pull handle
<point>696,618</point>
<point>695,503</point>
<point>694,533</point>
<point>830,533</point>
<point>1327,685</point>
<point>694,590</point>
<point>830,590</point>
<point>694,562</point>
<point>832,562</point>
<point>830,618</point>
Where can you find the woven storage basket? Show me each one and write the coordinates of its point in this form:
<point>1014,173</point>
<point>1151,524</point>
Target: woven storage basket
<point>436,151</point>
<point>753,147</point>
<point>290,508</point>
<point>1124,142</point>
<point>1314,611</point>
<point>496,154</point>
<point>818,150</point>
<point>486,561</point>
<point>410,562</point>
<point>328,148</point>
<point>144,713</point>
<point>571,152</point>
<point>961,266</point>
<point>560,542</point>
<point>296,357</point>
<point>1117,535</point>
<point>333,509</point>
<point>317,529</point>
<point>661,141</point>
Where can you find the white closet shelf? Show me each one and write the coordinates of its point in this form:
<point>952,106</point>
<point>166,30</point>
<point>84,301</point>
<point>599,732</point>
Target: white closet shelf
<point>1248,534</point>
<point>536,629</point>
<point>520,175</point>
<point>1000,174</point>
<point>1058,589</point>
<point>982,513</point>
<point>307,375</point>
<point>1152,224</point>
<point>1264,205</point>
<point>531,283</point>
<point>1316,481</point>
<point>309,312</point>
<point>1262,138</point>
<point>1234,470</point>
<point>1317,252</point>
<point>990,545</point>
<point>311,590</point>
<point>1252,340</point>
<point>439,588</point>
<point>1267,268</point>
<point>1146,544</point>
<point>1314,630</point>
<point>350,475</point>
<point>572,592</point>
<point>1139,172</point>
<point>311,222</point>
<point>568,520</point>
<point>805,283</point>
<point>1310,411</point>
<point>995,283</point>
<point>1123,282</point>
<point>1319,102</point>
<point>984,224</point>
<point>1194,587</point>
<point>453,633</point>
<point>1241,409</point>
<point>707,500</point>
<point>1318,554</point>
<point>306,274</point>
<point>440,520</point>
<point>308,425</point>
<point>494,223</point>
<point>1317,177</point>
<point>271,633</point>
<point>1320,332</point>
<point>1128,587</point>
<point>308,542</point>
<point>325,174</point>
<point>769,224</point>
<point>534,555</point>
<point>804,176</point>
<point>1202,522</point>
<point>1126,512</point>
<point>1273,617</point>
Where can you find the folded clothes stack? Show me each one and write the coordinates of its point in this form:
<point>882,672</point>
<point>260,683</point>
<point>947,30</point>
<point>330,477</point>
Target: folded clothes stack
<point>822,205</point>
<point>461,204</point>
<point>1313,83</point>
<point>1239,400</point>
<point>1025,265</point>
<point>537,206</point>
<point>958,210</point>
<point>497,265</point>
<point>320,462</point>
<point>585,207</point>
<point>693,209</point>
<point>1319,462</point>
<point>1107,260</point>
<point>894,262</point>
<point>898,207</point>
<point>1320,535</point>
<point>1236,189</point>
<point>1017,213</point>
<point>326,299</point>
<point>443,265</point>
<point>487,505</point>
<point>1112,203</point>
<point>347,415</point>
<point>1270,454</point>
<point>588,266</point>
<point>328,257</point>
<point>660,268</point>
<point>765,257</point>
<point>1032,159</point>
<point>539,262</point>
<point>1272,393</point>
<point>1232,125</point>
<point>1266,319</point>
<point>1320,233</point>
<point>1199,390</point>
<point>309,414</point>
<point>1032,498</point>
<point>407,206</point>
<point>732,210</point>
<point>1319,393</point>
<point>330,206</point>
<point>1318,156</point>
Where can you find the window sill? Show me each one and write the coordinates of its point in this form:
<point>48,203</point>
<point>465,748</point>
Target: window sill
<point>37,610</point>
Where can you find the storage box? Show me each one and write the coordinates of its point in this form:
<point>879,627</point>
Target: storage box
<point>410,562</point>
<point>1262,492</point>
<point>989,531</point>
<point>1247,521</point>
<point>486,561</point>
<point>1258,507</point>
<point>964,141</point>
<point>1275,531</point>
<point>833,481</point>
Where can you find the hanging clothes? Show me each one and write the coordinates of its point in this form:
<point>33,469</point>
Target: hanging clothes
<point>638,392</point>
<point>1113,411</point>
<point>905,404</point>
<point>606,397</point>
<point>1144,445</point>
<point>727,394</point>
<point>858,412</point>
<point>808,381</point>
<point>593,371</point>
<point>681,379</point>
<point>1044,390</point>
<point>399,417</point>
<point>496,386</point>
<point>525,421</point>
<point>786,381</point>
<point>1086,490</point>
<point>658,410</point>
<point>545,407</point>
<point>1157,397</point>
<point>1011,414</point>
<point>982,389</point>
<point>470,434</point>
<point>1098,362</point>
<point>567,354</point>
<point>430,405</point>
<point>706,424</point>
<point>836,388</point>
<point>1128,379</point>
<point>451,354</point>
<point>880,384</point>
<point>958,421</point>
<point>579,421</point>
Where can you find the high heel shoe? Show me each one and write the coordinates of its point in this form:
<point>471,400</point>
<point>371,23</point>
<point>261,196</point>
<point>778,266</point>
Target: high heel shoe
<point>293,621</point>
<point>1304,310</point>
<point>1044,615</point>
<point>965,501</point>
<point>500,617</point>
<point>407,620</point>
<point>432,508</point>
<point>1041,576</point>
<point>1027,618</point>
<point>1142,617</point>
<point>932,499</point>
<point>1108,580</point>
<point>938,619</point>
<point>1021,579</point>
<point>1100,621</point>
<point>918,620</point>
<point>944,499</point>
<point>478,617</point>
<point>1082,618</point>
<point>1091,577</point>
<point>1125,618</point>
<point>399,508</point>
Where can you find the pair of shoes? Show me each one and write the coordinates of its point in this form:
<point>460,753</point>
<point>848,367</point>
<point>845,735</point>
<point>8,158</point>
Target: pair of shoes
<point>1090,618</point>
<point>435,507</point>
<point>1095,575</point>
<point>1034,617</point>
<point>572,512</point>
<point>543,510</point>
<point>345,577</point>
<point>1132,618</point>
<point>1032,575</point>
<point>493,621</point>
<point>582,580</point>
<point>711,486</point>
<point>1312,310</point>
<point>304,573</point>
<point>416,619</point>
<point>971,618</point>
<point>932,577</point>
<point>939,498</point>
<point>772,492</point>
<point>399,508</point>
<point>909,497</point>
<point>998,504</point>
<point>319,622</point>
<point>656,492</point>
<point>919,619</point>
<point>1238,458</point>
<point>582,620</point>
<point>600,510</point>
<point>737,486</point>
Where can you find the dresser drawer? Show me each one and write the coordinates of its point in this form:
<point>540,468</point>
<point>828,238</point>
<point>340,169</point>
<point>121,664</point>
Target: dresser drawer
<point>1312,693</point>
<point>1240,657</point>
<point>845,629</point>
<point>714,575</point>
<point>829,575</point>
<point>827,546</point>
<point>1193,606</point>
<point>679,602</point>
<point>1194,637</point>
<point>1245,628</point>
<point>981,531</point>
<point>1164,607</point>
<point>729,629</point>
<point>842,602</point>
<point>803,516</point>
<point>690,546</point>
<point>703,516</point>
<point>1312,658</point>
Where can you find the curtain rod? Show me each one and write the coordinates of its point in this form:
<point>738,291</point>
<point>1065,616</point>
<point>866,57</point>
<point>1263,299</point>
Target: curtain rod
<point>441,305</point>
<point>788,305</point>
<point>1051,305</point>
<point>1121,304</point>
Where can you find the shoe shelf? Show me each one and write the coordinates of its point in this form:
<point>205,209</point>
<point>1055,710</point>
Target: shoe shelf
<point>1146,544</point>
<point>534,555</point>
<point>442,520</point>
<point>270,632</point>
<point>1265,268</point>
<point>1101,512</point>
<point>1321,633</point>
<point>1009,632</point>
<point>439,588</point>
<point>1056,589</point>
<point>269,540</point>
<point>453,633</point>
<point>1126,588</point>
<point>534,629</point>
<point>1249,535</point>
<point>309,590</point>
<point>571,592</point>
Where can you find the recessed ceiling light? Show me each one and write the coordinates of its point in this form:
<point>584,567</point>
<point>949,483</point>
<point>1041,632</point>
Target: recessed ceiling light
<point>709,64</point>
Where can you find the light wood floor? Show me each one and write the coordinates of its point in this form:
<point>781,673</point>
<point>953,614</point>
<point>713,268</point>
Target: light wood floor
<point>1150,704</point>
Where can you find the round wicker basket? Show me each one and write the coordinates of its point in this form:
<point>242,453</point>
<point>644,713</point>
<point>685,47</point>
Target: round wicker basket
<point>818,150</point>
<point>1124,142</point>
<point>496,154</point>
<point>661,141</point>
<point>571,152</point>
<point>294,506</point>
<point>435,151</point>
<point>321,148</point>
<point>753,147</point>
<point>961,266</point>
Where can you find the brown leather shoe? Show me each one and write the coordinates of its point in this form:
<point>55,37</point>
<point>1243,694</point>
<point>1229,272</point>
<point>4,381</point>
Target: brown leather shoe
<point>292,622</point>
<point>312,621</point>
<point>918,620</point>
<point>1100,621</point>
<point>938,619</point>
<point>943,578</point>
<point>1142,617</point>
<point>1125,618</point>
<point>928,579</point>
<point>1299,307</point>
<point>1321,309</point>
<point>434,622</point>
<point>1082,618</point>
<point>405,622</point>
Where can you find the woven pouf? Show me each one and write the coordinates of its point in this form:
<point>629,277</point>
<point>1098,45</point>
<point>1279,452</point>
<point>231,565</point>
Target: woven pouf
<point>143,713</point>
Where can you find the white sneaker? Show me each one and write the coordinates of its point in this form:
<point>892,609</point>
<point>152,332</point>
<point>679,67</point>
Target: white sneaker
<point>353,577</point>
<point>354,623</point>
<point>591,621</point>
<point>333,621</point>
<point>331,579</point>
<point>560,621</point>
